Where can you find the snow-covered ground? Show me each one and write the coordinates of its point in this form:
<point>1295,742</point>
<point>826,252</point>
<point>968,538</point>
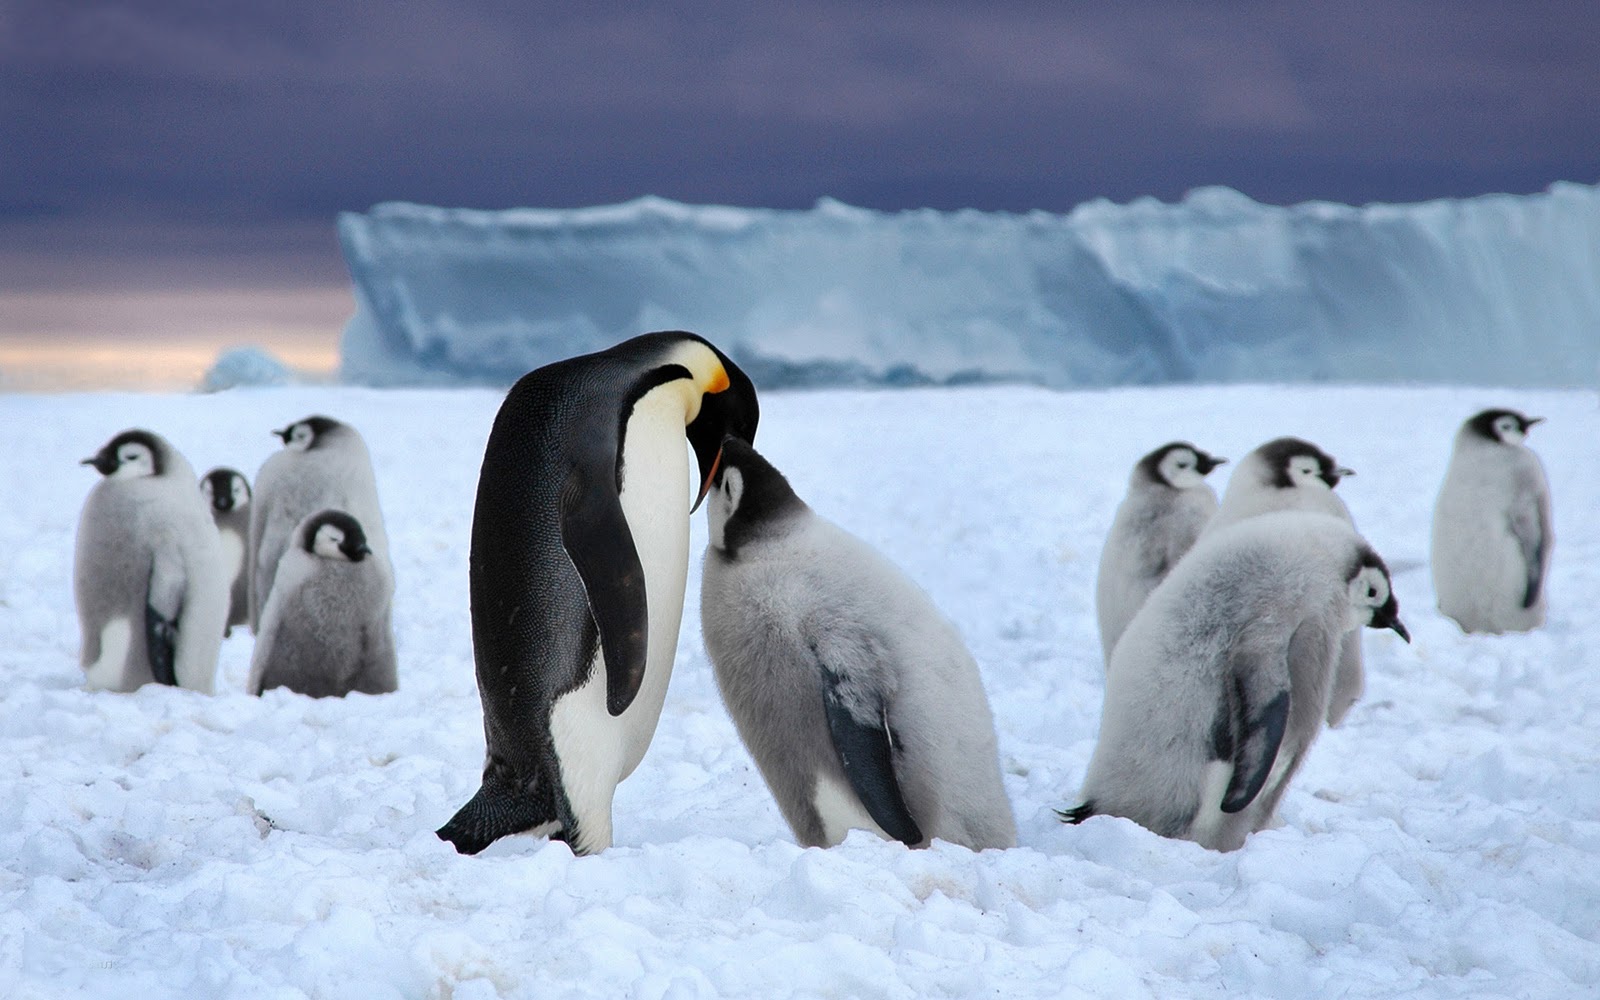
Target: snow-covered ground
<point>1444,843</point>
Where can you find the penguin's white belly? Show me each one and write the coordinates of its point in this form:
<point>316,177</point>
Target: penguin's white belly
<point>841,811</point>
<point>596,749</point>
<point>110,671</point>
<point>232,555</point>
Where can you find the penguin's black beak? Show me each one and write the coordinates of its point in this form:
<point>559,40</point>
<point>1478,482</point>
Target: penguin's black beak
<point>284,434</point>
<point>104,462</point>
<point>1388,617</point>
<point>732,412</point>
<point>1205,463</point>
<point>358,551</point>
<point>1529,422</point>
<point>1332,477</point>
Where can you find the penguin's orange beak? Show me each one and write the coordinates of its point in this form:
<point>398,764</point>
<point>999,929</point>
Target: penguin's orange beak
<point>705,486</point>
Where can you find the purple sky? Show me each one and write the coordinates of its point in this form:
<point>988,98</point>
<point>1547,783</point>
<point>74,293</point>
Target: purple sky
<point>234,131</point>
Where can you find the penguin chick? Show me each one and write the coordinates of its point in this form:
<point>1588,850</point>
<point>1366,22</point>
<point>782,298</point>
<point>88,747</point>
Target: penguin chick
<point>1220,683</point>
<point>1492,531</point>
<point>324,465</point>
<point>326,628</point>
<point>227,493</point>
<point>1167,506</point>
<point>855,696</point>
<point>148,572</point>
<point>1291,473</point>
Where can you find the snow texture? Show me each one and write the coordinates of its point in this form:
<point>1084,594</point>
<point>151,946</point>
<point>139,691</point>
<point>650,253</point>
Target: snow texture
<point>1497,290</point>
<point>1444,843</point>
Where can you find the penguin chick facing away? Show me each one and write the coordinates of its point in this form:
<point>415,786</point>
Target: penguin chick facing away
<point>1220,684</point>
<point>855,696</point>
<point>148,572</point>
<point>324,465</point>
<point>326,630</point>
<point>1291,473</point>
<point>227,493</point>
<point>1492,534</point>
<point>1167,506</point>
<point>580,554</point>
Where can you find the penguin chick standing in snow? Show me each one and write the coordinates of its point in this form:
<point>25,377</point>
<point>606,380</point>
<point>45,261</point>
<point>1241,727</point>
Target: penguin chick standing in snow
<point>1290,473</point>
<point>227,492</point>
<point>326,629</point>
<point>324,465</point>
<point>1167,505</point>
<point>580,554</point>
<point>1220,683</point>
<point>148,572</point>
<point>1492,529</point>
<point>856,697</point>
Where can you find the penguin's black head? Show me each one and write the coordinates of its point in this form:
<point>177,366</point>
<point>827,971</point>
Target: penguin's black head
<point>728,411</point>
<point>303,435</point>
<point>1502,426</point>
<point>1179,465</point>
<point>333,534</point>
<point>225,489</point>
<point>1372,594</point>
<point>131,453</point>
<point>748,496</point>
<point>1293,461</point>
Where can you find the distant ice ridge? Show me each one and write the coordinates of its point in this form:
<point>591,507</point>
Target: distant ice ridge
<point>1500,289</point>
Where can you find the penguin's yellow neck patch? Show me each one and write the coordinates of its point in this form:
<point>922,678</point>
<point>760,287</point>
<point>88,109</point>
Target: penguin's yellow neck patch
<point>706,367</point>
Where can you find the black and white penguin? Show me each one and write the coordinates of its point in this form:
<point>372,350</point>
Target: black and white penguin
<point>580,554</point>
<point>1291,473</point>
<point>227,493</point>
<point>324,465</point>
<point>148,572</point>
<point>1492,532</point>
<point>1219,686</point>
<point>857,699</point>
<point>327,630</point>
<point>1167,506</point>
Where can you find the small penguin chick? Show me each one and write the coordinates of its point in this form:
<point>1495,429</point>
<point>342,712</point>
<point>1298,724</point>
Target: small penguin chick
<point>1492,527</point>
<point>857,699</point>
<point>148,574</point>
<point>1167,506</point>
<point>326,630</point>
<point>227,493</point>
<point>1220,684</point>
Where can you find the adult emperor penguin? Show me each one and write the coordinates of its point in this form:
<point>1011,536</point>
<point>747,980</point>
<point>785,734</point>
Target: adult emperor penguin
<point>326,629</point>
<point>856,697</point>
<point>1168,503</point>
<point>1491,527</point>
<point>1220,683</point>
<point>227,492</point>
<point>1291,473</point>
<point>580,553</point>
<point>324,465</point>
<point>148,572</point>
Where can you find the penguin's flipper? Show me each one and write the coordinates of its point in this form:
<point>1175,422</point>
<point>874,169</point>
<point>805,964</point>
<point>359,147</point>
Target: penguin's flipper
<point>163,602</point>
<point>1259,698</point>
<point>1530,525</point>
<point>858,720</point>
<point>595,534</point>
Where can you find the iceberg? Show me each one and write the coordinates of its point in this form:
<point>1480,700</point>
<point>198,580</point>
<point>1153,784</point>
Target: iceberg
<point>1499,289</point>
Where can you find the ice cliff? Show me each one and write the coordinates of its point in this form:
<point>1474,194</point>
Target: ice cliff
<point>1500,289</point>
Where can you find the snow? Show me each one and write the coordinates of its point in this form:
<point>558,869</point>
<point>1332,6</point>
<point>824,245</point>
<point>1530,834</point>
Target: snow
<point>1443,843</point>
<point>1500,289</point>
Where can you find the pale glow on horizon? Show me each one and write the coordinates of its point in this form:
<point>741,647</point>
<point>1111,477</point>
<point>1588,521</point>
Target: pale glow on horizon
<point>165,340</point>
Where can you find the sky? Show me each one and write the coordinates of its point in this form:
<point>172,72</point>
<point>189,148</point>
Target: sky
<point>196,145</point>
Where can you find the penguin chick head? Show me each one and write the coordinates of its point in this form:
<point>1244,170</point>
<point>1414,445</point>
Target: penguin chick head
<point>748,497</point>
<point>303,435</point>
<point>1502,426</point>
<point>333,534</point>
<point>1372,595</point>
<point>1179,465</point>
<point>1296,463</point>
<point>225,490</point>
<point>133,454</point>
